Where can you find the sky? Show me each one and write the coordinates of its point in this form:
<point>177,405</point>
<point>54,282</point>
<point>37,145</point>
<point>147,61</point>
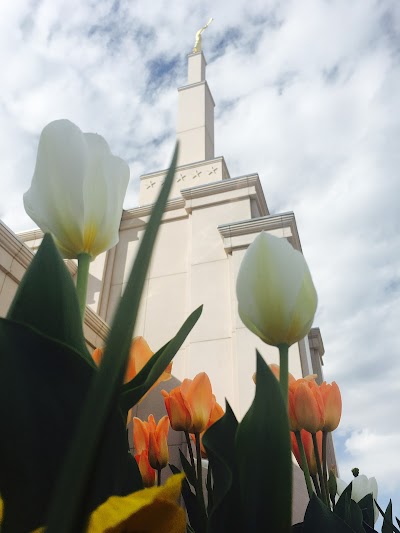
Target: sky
<point>307,95</point>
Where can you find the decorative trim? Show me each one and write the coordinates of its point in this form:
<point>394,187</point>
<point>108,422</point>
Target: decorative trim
<point>145,210</point>
<point>96,324</point>
<point>16,248</point>
<point>189,167</point>
<point>30,235</point>
<point>197,84</point>
<point>256,225</point>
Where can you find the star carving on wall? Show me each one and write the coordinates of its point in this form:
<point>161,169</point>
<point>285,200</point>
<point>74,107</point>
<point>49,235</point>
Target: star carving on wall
<point>150,185</point>
<point>196,174</point>
<point>181,177</point>
<point>212,171</point>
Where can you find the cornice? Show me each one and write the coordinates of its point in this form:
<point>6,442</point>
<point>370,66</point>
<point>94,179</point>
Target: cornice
<point>197,84</point>
<point>17,249</point>
<point>145,210</point>
<point>190,166</point>
<point>256,225</point>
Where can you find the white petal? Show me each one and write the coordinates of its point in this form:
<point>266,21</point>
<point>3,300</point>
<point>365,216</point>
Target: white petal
<point>55,198</point>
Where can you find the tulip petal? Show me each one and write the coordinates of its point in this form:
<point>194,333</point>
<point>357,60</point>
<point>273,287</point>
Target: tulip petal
<point>153,509</point>
<point>54,200</point>
<point>277,299</point>
<point>198,400</point>
<point>140,435</point>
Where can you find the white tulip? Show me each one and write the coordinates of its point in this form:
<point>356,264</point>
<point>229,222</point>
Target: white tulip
<point>361,486</point>
<point>77,190</point>
<point>276,296</point>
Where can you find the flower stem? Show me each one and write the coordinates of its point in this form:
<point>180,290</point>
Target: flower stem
<point>200,494</point>
<point>189,445</point>
<point>324,468</point>
<point>82,281</point>
<point>319,469</point>
<point>284,371</point>
<point>209,488</point>
<point>158,477</point>
<point>304,465</point>
<point>316,485</point>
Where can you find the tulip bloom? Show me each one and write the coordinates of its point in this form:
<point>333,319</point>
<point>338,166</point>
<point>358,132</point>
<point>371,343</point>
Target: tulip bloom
<point>361,486</point>
<point>332,405</point>
<point>77,190</point>
<point>307,406</point>
<point>189,405</point>
<point>216,413</point>
<point>307,441</point>
<point>139,354</point>
<point>276,296</point>
<point>153,438</point>
<point>146,471</point>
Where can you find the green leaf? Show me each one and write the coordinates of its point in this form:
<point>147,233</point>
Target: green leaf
<point>76,480</point>
<point>388,526</point>
<point>263,455</point>
<point>219,442</point>
<point>190,472</point>
<point>319,518</point>
<point>43,385</point>
<point>366,505</point>
<point>342,507</point>
<point>46,300</point>
<point>195,514</point>
<point>133,391</point>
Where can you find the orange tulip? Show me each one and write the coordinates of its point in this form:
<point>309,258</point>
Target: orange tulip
<point>216,413</point>
<point>158,443</point>
<point>332,405</point>
<point>146,471</point>
<point>307,405</point>
<point>139,355</point>
<point>189,405</point>
<point>306,439</point>
<point>152,438</point>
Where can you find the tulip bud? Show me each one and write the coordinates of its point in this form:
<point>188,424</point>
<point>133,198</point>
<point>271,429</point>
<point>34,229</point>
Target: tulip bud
<point>77,190</point>
<point>276,296</point>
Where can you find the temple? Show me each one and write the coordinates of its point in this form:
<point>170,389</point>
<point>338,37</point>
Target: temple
<point>209,221</point>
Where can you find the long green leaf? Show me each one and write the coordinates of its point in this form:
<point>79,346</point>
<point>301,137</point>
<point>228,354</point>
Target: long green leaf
<point>320,519</point>
<point>43,385</point>
<point>219,442</point>
<point>76,480</point>
<point>263,454</point>
<point>133,391</point>
<point>46,300</point>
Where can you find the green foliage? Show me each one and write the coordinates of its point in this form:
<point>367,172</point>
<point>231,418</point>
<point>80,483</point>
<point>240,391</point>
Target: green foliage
<point>219,442</point>
<point>263,455</point>
<point>319,518</point>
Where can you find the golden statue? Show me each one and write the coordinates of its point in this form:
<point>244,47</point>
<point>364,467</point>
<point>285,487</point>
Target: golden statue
<point>197,43</point>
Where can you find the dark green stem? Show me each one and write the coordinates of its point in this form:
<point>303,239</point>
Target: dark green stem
<point>284,371</point>
<point>158,477</point>
<point>200,494</point>
<point>319,469</point>
<point>189,445</point>
<point>82,281</point>
<point>209,488</point>
<point>304,464</point>
<point>324,466</point>
<point>316,485</point>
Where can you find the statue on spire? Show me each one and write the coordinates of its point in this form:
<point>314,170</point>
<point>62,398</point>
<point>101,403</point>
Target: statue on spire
<point>197,43</point>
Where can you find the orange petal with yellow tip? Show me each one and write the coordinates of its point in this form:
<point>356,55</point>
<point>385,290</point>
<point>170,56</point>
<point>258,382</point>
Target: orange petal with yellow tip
<point>198,399</point>
<point>308,406</point>
<point>332,405</point>
<point>140,435</point>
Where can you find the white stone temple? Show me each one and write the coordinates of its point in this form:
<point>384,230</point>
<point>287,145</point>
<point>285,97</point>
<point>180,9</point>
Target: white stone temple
<point>210,220</point>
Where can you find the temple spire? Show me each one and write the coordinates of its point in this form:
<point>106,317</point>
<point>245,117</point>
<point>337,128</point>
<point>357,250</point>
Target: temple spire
<point>195,126</point>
